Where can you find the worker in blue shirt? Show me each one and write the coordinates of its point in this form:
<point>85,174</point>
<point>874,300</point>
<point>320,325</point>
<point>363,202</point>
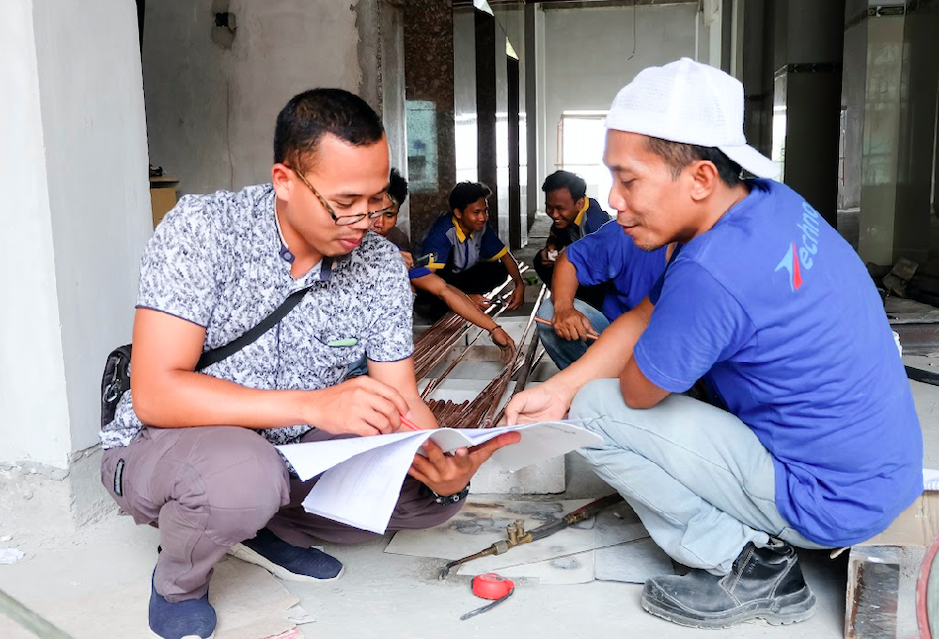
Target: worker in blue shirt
<point>607,260</point>
<point>814,441</point>
<point>575,216</point>
<point>463,250</point>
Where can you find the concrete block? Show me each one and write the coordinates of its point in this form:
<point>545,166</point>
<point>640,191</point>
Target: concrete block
<point>547,478</point>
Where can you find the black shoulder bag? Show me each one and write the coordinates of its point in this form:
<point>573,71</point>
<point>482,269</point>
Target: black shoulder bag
<point>116,379</point>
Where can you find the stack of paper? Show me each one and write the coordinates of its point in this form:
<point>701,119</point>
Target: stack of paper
<point>362,476</point>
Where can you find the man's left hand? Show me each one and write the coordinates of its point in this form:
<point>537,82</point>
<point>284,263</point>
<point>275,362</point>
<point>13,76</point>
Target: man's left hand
<point>518,296</point>
<point>449,474</point>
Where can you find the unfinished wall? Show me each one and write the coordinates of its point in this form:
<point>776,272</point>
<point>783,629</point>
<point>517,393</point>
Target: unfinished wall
<point>34,415</point>
<point>74,165</point>
<point>211,110</point>
<point>587,54</point>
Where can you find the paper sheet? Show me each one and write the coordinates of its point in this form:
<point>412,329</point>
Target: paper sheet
<point>362,476</point>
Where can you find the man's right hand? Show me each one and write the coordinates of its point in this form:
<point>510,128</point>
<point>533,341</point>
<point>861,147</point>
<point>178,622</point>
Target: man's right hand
<point>408,259</point>
<point>542,403</point>
<point>571,324</point>
<point>500,338</point>
<point>361,406</point>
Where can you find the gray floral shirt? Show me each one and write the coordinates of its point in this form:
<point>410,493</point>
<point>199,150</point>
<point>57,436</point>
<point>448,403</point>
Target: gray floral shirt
<point>220,261</point>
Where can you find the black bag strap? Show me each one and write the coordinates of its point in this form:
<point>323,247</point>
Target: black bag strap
<point>216,355</point>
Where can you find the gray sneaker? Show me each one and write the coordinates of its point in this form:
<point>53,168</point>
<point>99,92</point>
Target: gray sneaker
<point>765,583</point>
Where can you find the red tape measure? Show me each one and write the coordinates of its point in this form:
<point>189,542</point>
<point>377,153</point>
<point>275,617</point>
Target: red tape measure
<point>492,586</point>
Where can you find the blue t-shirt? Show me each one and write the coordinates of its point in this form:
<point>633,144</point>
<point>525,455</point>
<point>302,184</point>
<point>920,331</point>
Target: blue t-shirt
<point>447,244</point>
<point>609,255</point>
<point>780,316</point>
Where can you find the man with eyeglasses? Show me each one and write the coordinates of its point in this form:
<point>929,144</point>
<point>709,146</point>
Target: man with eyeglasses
<point>193,452</point>
<point>386,224</point>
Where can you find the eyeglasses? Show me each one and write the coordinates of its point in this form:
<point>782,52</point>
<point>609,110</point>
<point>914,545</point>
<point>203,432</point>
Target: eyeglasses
<point>346,220</point>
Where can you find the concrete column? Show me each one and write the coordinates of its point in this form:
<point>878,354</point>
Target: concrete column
<point>534,108</point>
<point>464,93</point>
<point>428,52</point>
<point>392,88</point>
<point>73,166</point>
<point>808,51</point>
<point>890,127</point>
<point>487,105</point>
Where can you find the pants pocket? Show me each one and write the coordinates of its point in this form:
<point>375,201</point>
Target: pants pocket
<point>113,476</point>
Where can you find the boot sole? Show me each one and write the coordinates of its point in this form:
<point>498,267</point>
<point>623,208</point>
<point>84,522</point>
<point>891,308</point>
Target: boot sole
<point>247,555</point>
<point>726,621</point>
<point>156,636</point>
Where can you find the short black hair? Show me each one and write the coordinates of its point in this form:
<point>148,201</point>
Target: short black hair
<point>465,193</point>
<point>398,187</point>
<point>303,122</point>
<point>574,184</point>
<point>678,155</point>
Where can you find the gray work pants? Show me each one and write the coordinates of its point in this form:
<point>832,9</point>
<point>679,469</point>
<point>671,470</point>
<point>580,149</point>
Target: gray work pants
<point>699,479</point>
<point>209,488</point>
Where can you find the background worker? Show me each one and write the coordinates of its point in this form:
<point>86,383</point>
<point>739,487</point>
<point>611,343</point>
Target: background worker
<point>455,299</point>
<point>466,253</point>
<point>607,260</point>
<point>386,224</point>
<point>575,216</point>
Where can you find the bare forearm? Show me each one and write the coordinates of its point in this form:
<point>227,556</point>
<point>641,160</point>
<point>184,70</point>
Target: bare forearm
<point>608,356</point>
<point>564,284</point>
<point>185,398</point>
<point>457,301</point>
<point>512,267</point>
<point>420,413</point>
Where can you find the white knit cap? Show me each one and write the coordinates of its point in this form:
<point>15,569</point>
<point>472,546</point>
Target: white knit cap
<point>691,103</point>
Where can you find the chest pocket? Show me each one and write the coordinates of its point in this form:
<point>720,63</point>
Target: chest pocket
<point>342,347</point>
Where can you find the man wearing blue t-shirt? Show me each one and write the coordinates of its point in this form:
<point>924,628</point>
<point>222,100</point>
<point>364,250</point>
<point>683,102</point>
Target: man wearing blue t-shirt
<point>574,217</point>
<point>818,443</point>
<point>608,259</point>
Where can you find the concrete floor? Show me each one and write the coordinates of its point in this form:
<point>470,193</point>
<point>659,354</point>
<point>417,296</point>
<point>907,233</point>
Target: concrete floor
<point>95,583</point>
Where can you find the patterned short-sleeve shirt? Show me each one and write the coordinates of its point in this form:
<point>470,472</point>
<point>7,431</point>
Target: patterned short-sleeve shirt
<point>220,261</point>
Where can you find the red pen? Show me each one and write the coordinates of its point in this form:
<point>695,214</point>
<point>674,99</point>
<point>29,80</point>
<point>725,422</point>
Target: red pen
<point>407,422</point>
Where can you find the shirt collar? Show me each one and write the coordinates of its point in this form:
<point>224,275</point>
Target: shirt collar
<point>322,271</point>
<point>460,235</point>
<point>580,216</point>
<point>285,253</point>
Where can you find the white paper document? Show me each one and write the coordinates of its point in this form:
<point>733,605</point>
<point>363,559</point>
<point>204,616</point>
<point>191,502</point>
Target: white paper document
<point>362,476</point>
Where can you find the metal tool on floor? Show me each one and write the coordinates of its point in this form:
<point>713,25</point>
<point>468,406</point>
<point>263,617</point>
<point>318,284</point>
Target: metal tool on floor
<point>490,586</point>
<point>35,623</point>
<point>517,535</point>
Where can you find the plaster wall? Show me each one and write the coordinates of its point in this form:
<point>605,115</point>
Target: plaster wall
<point>33,405</point>
<point>587,53</point>
<point>211,111</point>
<point>76,217</point>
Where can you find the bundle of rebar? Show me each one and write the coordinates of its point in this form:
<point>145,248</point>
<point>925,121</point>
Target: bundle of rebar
<point>481,411</point>
<point>433,346</point>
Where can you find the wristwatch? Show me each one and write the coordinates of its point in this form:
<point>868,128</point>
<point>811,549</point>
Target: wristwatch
<point>444,500</point>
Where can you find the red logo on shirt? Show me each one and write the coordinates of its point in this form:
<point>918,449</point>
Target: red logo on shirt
<point>790,262</point>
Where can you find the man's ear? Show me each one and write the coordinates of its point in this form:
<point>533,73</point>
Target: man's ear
<point>458,214</point>
<point>282,179</point>
<point>579,204</point>
<point>705,179</point>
